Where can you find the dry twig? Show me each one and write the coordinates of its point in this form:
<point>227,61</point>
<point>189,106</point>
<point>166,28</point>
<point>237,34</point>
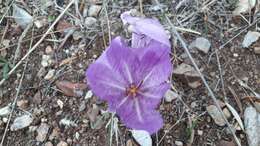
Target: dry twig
<point>39,42</point>
<point>203,79</point>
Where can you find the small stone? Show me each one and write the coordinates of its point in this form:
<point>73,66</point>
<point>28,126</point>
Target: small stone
<point>194,84</point>
<point>42,132</point>
<point>129,142</point>
<point>89,94</point>
<point>44,63</point>
<point>193,104</point>
<point>5,120</point>
<point>187,71</point>
<point>37,98</point>
<point>170,95</point>
<point>178,143</point>
<point>69,141</point>
<point>50,74</point>
<point>48,50</point>
<point>46,60</point>
<point>6,42</point>
<point>90,22</point>
<point>55,133</point>
<point>22,104</point>
<point>82,106</point>
<point>77,135</point>
<point>94,56</point>
<point>200,132</point>
<point>226,113</point>
<point>250,38</point>
<point>62,143</point>
<point>202,44</point>
<point>77,35</point>
<point>235,55</point>
<point>48,144</point>
<point>38,23</point>
<point>94,10</point>
<point>60,103</point>
<point>252,125</point>
<point>21,122</point>
<point>257,50</point>
<point>216,115</point>
<point>6,110</point>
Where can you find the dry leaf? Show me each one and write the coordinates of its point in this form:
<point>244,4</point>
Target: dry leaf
<point>236,115</point>
<point>93,113</point>
<point>67,60</point>
<point>65,27</point>
<point>71,89</point>
<point>5,110</point>
<point>201,44</point>
<point>244,6</point>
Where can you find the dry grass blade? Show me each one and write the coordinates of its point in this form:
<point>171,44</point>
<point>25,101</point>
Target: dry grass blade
<point>202,78</point>
<point>249,88</point>
<point>237,99</point>
<point>236,115</point>
<point>36,45</point>
<point>13,106</point>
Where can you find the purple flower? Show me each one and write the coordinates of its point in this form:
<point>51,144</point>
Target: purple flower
<point>133,81</point>
<point>145,30</point>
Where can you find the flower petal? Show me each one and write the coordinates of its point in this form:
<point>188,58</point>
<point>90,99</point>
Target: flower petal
<point>137,116</point>
<point>104,82</point>
<point>122,60</point>
<point>145,26</point>
<point>152,96</point>
<point>155,65</point>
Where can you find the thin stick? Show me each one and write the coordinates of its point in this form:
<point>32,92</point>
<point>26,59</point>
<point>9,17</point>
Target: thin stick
<point>16,97</point>
<point>13,106</point>
<point>5,30</point>
<point>36,45</point>
<point>2,18</point>
<point>17,53</point>
<point>221,77</point>
<point>108,22</point>
<point>203,79</point>
<point>141,6</point>
<point>227,42</point>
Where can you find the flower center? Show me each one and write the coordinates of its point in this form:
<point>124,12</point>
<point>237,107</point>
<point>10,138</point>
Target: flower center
<point>132,90</point>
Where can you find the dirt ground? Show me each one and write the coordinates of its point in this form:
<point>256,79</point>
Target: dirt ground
<point>186,120</point>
